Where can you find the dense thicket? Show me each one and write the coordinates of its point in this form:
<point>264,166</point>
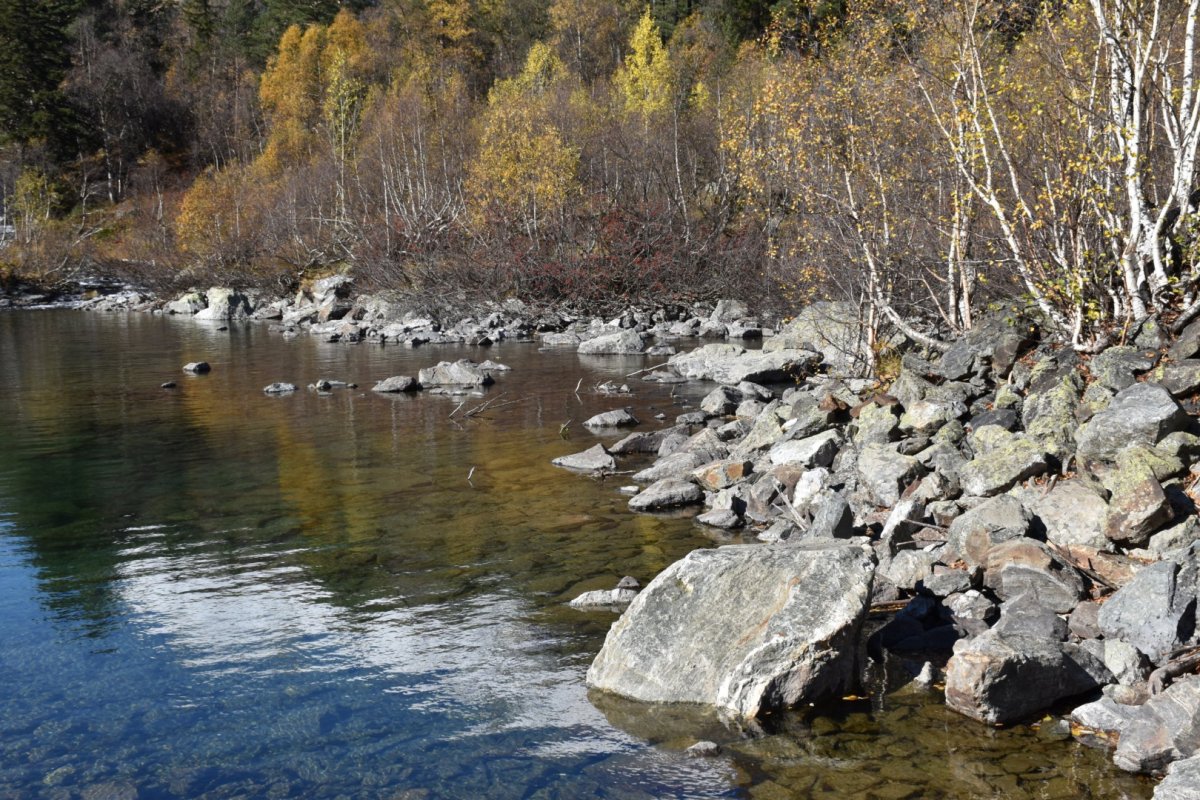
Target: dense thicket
<point>916,157</point>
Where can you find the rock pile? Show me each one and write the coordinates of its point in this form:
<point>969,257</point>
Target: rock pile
<point>1033,507</point>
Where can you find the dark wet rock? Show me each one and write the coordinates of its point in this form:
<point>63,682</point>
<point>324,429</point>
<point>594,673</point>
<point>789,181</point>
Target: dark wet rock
<point>397,383</point>
<point>1182,781</point>
<point>167,385</point>
<point>1163,730</point>
<point>197,367</point>
<point>1140,414</point>
<point>748,629</point>
<point>1156,611</point>
<point>974,533</point>
<point>617,418</point>
<point>886,473</point>
<point>1002,679</point>
<point>1006,418</point>
<point>594,459</point>
<point>625,342</point>
<point>279,388</point>
<point>456,373</point>
<point>667,493</point>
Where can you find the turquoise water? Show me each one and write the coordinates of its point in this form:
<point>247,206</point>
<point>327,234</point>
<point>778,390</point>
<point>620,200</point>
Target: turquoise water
<point>209,592</point>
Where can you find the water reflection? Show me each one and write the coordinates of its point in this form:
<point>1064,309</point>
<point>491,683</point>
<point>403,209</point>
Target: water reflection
<point>209,592</point>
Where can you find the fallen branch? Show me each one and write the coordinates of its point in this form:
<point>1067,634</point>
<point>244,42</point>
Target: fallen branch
<point>1182,662</point>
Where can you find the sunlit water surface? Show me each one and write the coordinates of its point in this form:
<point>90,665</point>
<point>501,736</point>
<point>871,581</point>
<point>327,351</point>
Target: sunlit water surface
<point>210,592</point>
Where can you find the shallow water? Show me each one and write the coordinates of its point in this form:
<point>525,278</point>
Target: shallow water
<point>209,592</point>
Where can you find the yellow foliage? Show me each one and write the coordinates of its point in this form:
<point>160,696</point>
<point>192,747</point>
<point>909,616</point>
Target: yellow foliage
<point>645,81</point>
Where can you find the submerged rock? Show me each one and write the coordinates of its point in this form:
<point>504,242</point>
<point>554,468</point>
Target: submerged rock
<point>197,367</point>
<point>745,628</point>
<point>279,388</point>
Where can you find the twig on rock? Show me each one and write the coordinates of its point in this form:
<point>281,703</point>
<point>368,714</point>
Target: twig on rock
<point>1181,662</point>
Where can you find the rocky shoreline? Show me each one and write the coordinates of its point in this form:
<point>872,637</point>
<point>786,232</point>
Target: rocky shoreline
<point>1030,511</point>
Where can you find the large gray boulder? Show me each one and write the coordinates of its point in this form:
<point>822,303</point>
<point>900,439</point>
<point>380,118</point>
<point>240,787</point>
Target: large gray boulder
<point>748,628</point>
<point>975,533</point>
<point>999,679</point>
<point>224,304</point>
<point>1141,414</point>
<point>1155,611</point>
<point>666,494</point>
<point>731,364</point>
<point>455,373</point>
<point>1182,781</point>
<point>625,342</point>
<point>187,304</point>
<point>813,451</point>
<point>1164,729</point>
<point>1073,514</point>
<point>833,329</point>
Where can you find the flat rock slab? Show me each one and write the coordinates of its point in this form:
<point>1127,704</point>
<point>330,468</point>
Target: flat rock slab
<point>617,418</point>
<point>731,364</point>
<point>457,373</point>
<point>397,384</point>
<point>1165,729</point>
<point>748,628</point>
<point>594,459</point>
<point>667,493</point>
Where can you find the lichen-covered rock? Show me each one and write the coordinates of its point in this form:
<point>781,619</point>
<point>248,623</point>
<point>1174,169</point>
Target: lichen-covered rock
<point>833,329</point>
<point>1004,465</point>
<point>1141,414</point>
<point>1138,506</point>
<point>1072,512</point>
<point>886,473</point>
<point>745,628</point>
<point>1000,679</point>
